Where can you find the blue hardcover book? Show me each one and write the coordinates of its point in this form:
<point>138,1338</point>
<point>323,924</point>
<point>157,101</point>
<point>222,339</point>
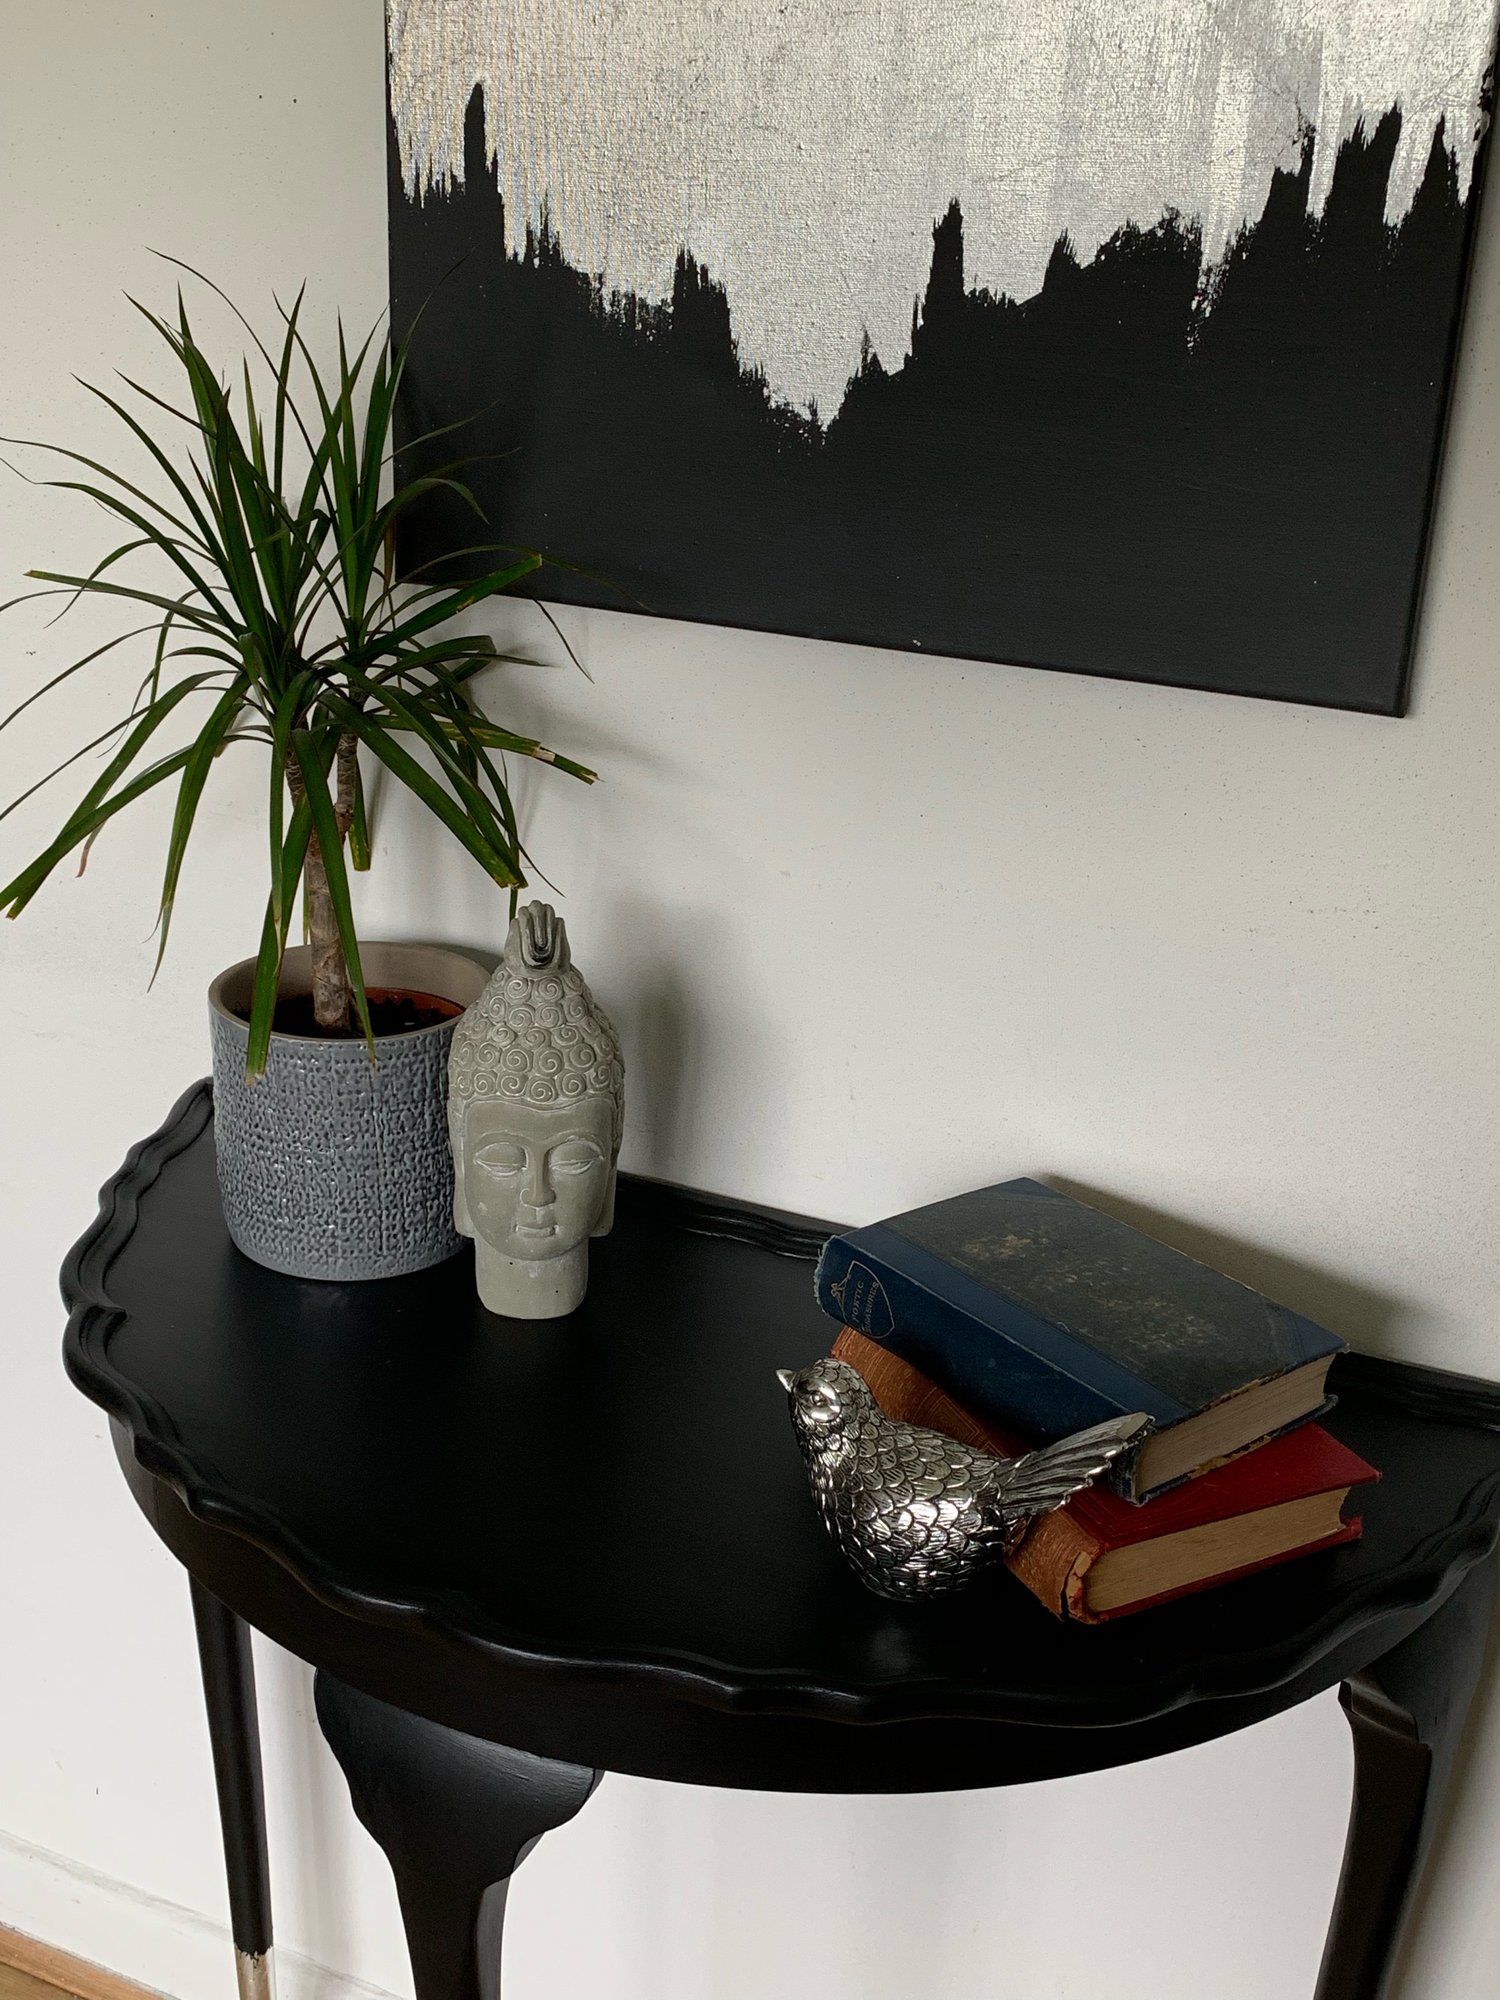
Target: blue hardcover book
<point>1042,1314</point>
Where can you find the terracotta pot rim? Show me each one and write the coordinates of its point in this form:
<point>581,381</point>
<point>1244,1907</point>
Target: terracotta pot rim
<point>465,972</point>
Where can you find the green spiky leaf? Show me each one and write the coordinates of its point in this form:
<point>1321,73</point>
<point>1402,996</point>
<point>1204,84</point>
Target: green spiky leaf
<point>261,517</point>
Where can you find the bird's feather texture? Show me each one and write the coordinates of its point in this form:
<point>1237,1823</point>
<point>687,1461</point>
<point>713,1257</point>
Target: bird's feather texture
<point>915,1512</point>
<point>1047,1478</point>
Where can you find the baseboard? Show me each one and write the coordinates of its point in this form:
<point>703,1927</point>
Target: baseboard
<point>69,1925</point>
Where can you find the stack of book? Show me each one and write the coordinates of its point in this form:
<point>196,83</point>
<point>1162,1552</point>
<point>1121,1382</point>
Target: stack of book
<point>1013,1315</point>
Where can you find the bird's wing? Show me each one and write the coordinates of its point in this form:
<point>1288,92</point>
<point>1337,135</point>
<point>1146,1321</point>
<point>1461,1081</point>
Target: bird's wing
<point>1045,1479</point>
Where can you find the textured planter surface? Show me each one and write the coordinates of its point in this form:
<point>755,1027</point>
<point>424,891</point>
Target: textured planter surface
<point>330,1167</point>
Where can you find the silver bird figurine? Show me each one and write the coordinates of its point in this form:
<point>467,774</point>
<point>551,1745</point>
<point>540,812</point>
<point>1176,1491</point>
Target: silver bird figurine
<point>916,1513</point>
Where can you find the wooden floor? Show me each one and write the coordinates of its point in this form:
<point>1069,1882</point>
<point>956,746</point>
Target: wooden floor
<point>21,1986</point>
<point>32,1970</point>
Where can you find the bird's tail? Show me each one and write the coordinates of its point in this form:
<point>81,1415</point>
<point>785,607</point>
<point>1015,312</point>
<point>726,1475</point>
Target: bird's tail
<point>1044,1479</point>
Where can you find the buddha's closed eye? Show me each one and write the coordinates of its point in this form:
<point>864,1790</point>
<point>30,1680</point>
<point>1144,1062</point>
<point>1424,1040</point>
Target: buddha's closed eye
<point>569,1156</point>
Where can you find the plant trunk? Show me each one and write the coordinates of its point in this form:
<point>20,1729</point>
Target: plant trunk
<point>332,1007</point>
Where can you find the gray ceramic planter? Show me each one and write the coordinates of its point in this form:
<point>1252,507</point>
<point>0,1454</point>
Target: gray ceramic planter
<point>330,1167</point>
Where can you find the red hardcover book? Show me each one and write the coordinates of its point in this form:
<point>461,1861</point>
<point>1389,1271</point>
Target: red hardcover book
<point>1100,1556</point>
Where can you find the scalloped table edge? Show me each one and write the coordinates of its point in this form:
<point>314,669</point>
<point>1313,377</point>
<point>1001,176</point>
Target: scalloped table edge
<point>94,1316</point>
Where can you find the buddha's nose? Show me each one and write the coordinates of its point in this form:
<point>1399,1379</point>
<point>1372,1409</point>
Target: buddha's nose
<point>538,1191</point>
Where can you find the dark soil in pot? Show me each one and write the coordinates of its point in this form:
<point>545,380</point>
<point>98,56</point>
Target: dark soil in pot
<point>392,1012</point>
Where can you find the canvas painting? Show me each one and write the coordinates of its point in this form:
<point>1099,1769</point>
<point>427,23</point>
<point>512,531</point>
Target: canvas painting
<point>1113,336</point>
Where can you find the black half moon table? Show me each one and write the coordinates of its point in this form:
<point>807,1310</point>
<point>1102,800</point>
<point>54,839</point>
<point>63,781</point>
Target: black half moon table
<point>523,1554</point>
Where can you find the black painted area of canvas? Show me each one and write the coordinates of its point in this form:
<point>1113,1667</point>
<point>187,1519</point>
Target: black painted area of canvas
<point>1105,478</point>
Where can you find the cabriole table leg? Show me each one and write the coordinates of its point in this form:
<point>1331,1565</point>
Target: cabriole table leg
<point>456,1817</point>
<point>1407,1715</point>
<point>234,1734</point>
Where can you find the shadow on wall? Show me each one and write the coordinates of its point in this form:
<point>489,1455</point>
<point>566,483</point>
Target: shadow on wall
<point>672,1076</point>
<point>689,1051</point>
<point>1368,1319</point>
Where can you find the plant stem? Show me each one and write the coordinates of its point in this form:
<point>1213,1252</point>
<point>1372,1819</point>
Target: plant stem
<point>332,1006</point>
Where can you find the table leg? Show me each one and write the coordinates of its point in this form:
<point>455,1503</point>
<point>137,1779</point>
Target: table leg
<point>229,1694</point>
<point>1407,1715</point>
<point>456,1817</point>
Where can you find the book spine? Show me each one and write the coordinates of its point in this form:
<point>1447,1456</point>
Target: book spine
<point>989,1373</point>
<point>908,1396</point>
<point>1054,1561</point>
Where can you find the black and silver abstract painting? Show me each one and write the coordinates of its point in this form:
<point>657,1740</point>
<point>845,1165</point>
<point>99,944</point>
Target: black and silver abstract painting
<point>1108,335</point>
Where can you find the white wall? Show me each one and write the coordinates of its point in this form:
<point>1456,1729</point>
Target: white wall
<point>874,927</point>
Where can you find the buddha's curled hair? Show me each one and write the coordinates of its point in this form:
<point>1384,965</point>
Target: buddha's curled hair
<point>536,1033</point>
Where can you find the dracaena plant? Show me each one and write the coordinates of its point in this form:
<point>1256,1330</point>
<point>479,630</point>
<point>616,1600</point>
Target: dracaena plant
<point>274,617</point>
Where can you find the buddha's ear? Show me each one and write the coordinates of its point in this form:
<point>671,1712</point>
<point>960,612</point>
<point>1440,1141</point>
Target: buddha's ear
<point>461,1220</point>
<point>606,1220</point>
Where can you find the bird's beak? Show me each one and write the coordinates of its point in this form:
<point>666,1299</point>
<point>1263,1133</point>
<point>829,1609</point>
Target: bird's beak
<point>786,1377</point>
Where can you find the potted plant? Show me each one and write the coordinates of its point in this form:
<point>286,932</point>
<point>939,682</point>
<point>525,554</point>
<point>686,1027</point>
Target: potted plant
<point>275,618</point>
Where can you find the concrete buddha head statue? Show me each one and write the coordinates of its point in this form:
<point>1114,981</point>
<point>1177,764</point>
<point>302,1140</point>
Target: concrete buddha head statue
<point>536,1102</point>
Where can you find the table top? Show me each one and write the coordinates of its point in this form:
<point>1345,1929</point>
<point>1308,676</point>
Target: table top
<point>593,1537</point>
